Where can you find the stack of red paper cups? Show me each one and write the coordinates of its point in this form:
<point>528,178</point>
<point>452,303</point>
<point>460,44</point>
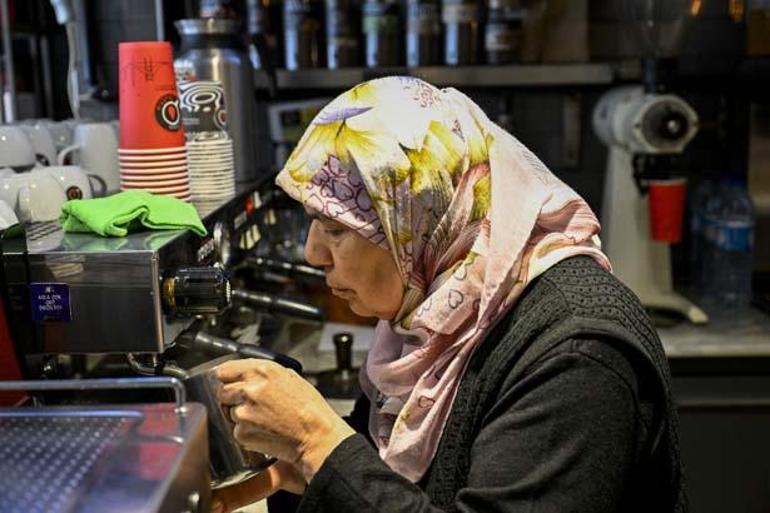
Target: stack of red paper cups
<point>152,149</point>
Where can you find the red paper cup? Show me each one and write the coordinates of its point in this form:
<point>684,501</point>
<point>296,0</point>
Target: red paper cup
<point>152,158</point>
<point>128,177</point>
<point>152,170</point>
<point>149,105</point>
<point>128,152</point>
<point>163,191</point>
<point>667,199</point>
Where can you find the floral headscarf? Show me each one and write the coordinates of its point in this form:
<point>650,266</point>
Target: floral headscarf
<point>471,217</point>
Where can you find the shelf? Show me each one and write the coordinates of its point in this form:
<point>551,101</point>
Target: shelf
<point>467,76</point>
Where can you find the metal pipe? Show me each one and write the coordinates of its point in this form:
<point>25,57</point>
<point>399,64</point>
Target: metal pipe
<point>83,55</point>
<point>9,105</point>
<point>217,344</point>
<point>160,29</point>
<point>287,267</point>
<point>209,342</point>
<point>73,76</point>
<point>155,368</point>
<point>279,304</point>
<point>45,59</point>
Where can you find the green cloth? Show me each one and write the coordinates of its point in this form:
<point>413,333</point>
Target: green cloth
<point>127,211</point>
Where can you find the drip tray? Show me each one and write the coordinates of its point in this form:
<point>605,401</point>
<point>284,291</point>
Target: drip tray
<point>44,459</point>
<point>88,459</point>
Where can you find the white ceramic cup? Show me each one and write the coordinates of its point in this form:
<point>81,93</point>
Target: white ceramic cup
<point>40,198</point>
<point>61,132</point>
<point>96,148</point>
<point>75,182</point>
<point>16,149</point>
<point>42,142</point>
<point>7,216</point>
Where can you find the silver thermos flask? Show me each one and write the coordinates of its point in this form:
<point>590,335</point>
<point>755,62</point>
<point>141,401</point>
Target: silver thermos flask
<point>214,49</point>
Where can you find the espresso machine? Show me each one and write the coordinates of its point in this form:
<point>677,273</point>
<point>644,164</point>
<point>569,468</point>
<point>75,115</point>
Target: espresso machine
<point>132,318</point>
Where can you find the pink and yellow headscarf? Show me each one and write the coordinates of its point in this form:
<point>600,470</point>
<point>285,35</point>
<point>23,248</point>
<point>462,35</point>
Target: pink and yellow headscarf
<point>471,217</point>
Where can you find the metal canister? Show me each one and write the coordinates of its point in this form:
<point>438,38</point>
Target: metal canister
<point>423,32</point>
<point>461,31</point>
<point>381,27</point>
<point>502,38</point>
<point>302,33</point>
<point>342,29</point>
<point>213,49</point>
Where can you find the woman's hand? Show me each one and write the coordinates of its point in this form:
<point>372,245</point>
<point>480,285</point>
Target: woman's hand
<point>278,476</point>
<point>276,412</point>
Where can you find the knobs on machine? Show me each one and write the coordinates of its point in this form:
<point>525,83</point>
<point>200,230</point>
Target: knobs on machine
<point>197,290</point>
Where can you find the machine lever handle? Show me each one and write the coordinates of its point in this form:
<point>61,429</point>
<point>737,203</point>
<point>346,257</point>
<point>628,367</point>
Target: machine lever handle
<point>279,304</point>
<point>226,345</point>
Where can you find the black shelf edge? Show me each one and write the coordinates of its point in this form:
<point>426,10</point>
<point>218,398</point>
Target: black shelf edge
<point>465,76</point>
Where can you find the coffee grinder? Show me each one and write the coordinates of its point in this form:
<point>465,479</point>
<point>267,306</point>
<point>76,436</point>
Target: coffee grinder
<point>645,128</point>
<point>643,131</point>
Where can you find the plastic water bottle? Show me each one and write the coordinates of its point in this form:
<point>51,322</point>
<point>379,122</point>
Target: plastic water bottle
<point>700,197</point>
<point>728,227</point>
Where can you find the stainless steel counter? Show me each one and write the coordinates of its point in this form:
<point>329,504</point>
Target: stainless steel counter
<point>744,333</point>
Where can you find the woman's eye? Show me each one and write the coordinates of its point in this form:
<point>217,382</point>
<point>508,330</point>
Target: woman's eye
<point>335,232</point>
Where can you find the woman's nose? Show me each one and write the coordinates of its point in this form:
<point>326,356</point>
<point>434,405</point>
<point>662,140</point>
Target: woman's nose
<point>316,252</point>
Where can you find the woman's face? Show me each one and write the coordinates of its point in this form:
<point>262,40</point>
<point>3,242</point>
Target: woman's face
<point>362,273</point>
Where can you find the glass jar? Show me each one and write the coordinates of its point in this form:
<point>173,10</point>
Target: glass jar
<point>302,33</point>
<point>382,26</point>
<point>461,31</point>
<point>502,38</point>
<point>342,23</point>
<point>423,33</point>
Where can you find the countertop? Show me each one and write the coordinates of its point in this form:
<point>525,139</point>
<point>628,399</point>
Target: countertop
<point>728,334</point>
<point>742,333</point>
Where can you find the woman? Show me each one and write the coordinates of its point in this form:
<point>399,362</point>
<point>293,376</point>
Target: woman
<point>510,371</point>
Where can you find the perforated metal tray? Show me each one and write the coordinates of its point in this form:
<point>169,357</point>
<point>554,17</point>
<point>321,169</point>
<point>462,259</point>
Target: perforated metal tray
<point>146,458</point>
<point>45,457</point>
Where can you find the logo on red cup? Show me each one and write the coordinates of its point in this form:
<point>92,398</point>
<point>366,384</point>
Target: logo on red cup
<point>167,112</point>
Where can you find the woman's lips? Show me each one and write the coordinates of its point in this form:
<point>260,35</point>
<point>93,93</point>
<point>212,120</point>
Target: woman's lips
<point>341,292</point>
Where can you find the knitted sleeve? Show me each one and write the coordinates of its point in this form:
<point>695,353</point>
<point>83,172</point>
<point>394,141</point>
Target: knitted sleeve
<point>564,436</point>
